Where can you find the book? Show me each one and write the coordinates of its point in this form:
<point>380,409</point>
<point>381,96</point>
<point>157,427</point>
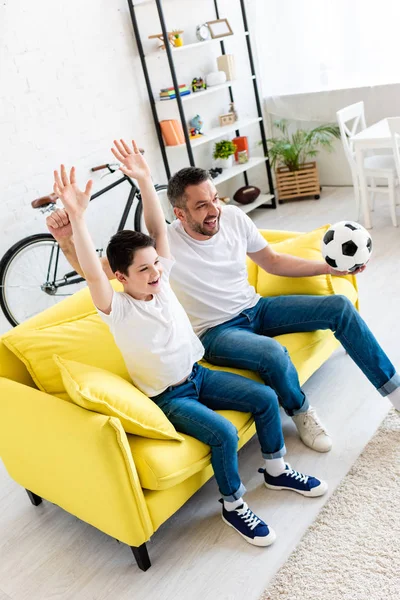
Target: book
<point>172,93</point>
<point>172,96</point>
<point>172,89</point>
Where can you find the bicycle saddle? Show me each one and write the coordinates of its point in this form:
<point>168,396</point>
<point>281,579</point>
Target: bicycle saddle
<point>44,200</point>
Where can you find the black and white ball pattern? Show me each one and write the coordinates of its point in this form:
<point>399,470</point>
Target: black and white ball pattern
<point>346,246</point>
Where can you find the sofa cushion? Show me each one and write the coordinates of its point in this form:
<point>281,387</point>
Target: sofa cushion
<point>103,392</point>
<point>163,464</point>
<point>84,338</point>
<point>305,245</point>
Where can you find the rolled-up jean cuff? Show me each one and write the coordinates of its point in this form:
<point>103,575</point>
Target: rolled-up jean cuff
<point>241,492</point>
<point>278,454</point>
<point>304,408</point>
<point>390,385</point>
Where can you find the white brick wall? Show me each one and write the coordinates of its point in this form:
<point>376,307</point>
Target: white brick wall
<point>71,81</point>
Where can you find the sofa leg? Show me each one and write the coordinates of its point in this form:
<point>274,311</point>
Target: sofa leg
<point>142,557</point>
<point>36,500</point>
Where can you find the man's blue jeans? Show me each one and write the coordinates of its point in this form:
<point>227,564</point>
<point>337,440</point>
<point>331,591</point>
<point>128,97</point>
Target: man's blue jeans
<point>191,408</point>
<point>246,342</point>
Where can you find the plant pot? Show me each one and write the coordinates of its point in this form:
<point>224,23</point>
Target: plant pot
<point>224,163</point>
<point>178,42</point>
<point>297,184</point>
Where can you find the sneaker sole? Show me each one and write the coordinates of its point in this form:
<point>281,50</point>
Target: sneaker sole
<point>261,542</point>
<point>313,493</point>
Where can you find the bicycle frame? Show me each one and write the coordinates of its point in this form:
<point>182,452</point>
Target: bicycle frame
<point>73,277</point>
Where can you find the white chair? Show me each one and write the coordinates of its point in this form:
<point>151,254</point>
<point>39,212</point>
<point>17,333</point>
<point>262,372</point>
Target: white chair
<point>380,166</point>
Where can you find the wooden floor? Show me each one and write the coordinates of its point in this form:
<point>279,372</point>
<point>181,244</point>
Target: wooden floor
<point>46,553</point>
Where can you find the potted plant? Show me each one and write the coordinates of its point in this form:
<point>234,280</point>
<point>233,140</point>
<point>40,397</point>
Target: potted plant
<point>223,154</point>
<point>290,154</point>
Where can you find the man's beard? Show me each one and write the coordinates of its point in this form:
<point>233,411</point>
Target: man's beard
<point>198,227</point>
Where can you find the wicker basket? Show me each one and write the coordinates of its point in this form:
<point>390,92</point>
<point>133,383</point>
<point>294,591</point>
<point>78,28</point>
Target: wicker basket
<point>298,184</point>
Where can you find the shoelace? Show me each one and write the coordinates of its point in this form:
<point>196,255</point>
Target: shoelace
<point>295,474</point>
<point>313,424</point>
<point>248,516</point>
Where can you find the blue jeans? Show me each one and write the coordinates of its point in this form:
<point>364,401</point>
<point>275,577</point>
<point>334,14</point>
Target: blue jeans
<point>246,342</point>
<point>191,407</point>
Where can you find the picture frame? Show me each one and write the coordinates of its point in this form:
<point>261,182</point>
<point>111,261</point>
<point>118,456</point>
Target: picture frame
<point>227,119</point>
<point>219,28</point>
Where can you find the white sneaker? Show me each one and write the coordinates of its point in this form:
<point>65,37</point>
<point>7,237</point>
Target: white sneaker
<point>312,433</point>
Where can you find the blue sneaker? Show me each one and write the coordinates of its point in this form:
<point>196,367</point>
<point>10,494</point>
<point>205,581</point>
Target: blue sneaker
<point>295,481</point>
<point>248,525</point>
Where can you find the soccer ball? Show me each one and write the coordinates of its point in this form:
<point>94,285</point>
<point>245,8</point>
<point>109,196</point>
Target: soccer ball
<point>346,246</point>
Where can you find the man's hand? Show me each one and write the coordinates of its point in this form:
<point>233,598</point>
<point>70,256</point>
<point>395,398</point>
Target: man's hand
<point>59,225</point>
<point>134,165</point>
<point>75,201</point>
<point>332,271</point>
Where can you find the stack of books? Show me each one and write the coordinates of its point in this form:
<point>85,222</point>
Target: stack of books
<point>169,93</point>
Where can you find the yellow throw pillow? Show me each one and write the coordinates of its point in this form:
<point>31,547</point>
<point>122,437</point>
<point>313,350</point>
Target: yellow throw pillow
<point>305,245</point>
<point>84,338</point>
<point>103,392</point>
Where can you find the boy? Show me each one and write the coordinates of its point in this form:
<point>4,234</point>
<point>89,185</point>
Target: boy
<point>161,350</point>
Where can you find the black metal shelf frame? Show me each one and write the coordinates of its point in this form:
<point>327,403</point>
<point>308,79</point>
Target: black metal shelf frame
<point>182,116</point>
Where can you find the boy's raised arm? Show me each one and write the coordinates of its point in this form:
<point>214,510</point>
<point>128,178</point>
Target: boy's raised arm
<point>75,202</point>
<point>135,166</point>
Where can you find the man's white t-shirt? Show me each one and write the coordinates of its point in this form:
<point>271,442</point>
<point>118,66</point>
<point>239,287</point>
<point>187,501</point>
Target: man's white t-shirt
<point>155,337</point>
<point>210,277</point>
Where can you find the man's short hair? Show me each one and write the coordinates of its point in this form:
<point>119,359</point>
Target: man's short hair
<point>123,246</point>
<point>181,180</point>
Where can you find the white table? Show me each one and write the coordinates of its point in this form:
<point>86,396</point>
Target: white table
<point>376,136</point>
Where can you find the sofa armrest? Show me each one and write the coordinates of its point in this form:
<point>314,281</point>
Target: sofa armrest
<point>75,458</point>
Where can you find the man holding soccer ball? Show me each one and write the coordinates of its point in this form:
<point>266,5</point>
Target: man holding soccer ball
<point>236,326</point>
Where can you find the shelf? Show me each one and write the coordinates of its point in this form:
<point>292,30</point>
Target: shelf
<point>194,45</point>
<point>209,90</point>
<point>246,208</point>
<point>238,169</point>
<point>217,132</point>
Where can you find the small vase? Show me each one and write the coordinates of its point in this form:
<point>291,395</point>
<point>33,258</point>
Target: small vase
<point>178,42</point>
<point>224,163</point>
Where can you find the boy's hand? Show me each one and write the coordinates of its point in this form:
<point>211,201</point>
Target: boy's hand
<point>59,225</point>
<point>134,165</point>
<point>74,200</point>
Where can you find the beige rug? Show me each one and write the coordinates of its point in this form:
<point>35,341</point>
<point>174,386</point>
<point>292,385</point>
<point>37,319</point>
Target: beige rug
<point>352,550</point>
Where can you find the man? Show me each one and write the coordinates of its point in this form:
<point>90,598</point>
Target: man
<point>236,325</point>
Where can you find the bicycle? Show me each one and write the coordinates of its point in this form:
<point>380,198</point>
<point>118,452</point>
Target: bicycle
<point>36,264</point>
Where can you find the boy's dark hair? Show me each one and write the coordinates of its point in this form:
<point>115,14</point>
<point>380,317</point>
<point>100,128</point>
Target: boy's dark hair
<point>181,180</point>
<point>122,247</point>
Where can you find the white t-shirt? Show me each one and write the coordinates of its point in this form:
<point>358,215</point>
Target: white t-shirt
<point>210,277</point>
<point>155,337</point>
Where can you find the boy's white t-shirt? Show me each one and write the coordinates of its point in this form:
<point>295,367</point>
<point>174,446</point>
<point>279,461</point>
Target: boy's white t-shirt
<point>155,338</point>
<point>210,277</point>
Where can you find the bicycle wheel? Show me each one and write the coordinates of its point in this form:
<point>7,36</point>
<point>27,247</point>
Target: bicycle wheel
<point>34,275</point>
<point>168,211</point>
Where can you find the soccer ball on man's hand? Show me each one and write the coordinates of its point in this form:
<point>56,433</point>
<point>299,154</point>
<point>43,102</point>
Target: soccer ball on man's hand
<point>346,246</point>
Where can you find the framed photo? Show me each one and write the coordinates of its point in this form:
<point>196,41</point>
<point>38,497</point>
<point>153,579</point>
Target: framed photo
<point>227,119</point>
<point>219,28</point>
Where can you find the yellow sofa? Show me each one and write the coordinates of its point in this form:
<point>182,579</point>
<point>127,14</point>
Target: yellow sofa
<point>123,484</point>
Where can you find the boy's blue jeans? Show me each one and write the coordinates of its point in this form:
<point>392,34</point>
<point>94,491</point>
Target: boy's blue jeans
<point>246,342</point>
<point>191,408</point>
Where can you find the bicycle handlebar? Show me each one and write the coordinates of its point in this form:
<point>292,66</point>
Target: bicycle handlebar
<point>99,168</point>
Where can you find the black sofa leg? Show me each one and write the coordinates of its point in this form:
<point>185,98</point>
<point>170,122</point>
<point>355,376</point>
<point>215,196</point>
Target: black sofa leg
<point>142,557</point>
<point>36,500</point>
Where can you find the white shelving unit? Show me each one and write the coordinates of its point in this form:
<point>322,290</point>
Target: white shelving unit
<point>246,208</point>
<point>238,169</point>
<point>172,153</point>
<point>216,132</point>
<point>210,90</point>
<point>157,53</point>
